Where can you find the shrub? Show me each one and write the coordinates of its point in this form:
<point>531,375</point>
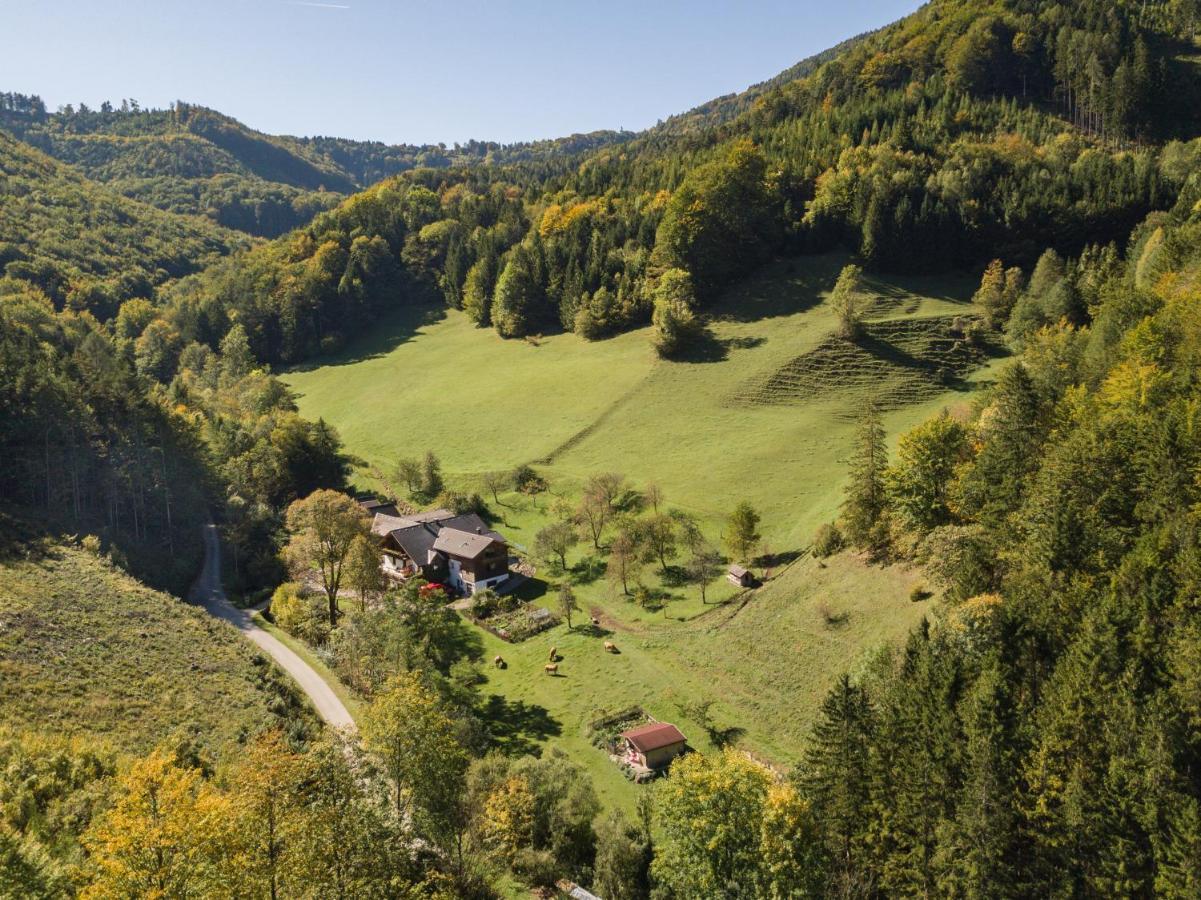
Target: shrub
<point>538,867</point>
<point>91,544</point>
<point>527,481</point>
<point>298,614</point>
<point>827,541</point>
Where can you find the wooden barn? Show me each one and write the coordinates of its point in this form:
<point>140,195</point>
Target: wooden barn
<point>740,576</point>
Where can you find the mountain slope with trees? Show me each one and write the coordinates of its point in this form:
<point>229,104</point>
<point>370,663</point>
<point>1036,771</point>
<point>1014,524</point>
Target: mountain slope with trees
<point>86,246</point>
<point>193,160</point>
<point>955,135</point>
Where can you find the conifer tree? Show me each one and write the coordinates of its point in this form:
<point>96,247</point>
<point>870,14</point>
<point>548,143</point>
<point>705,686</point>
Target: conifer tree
<point>836,780</point>
<point>865,498</point>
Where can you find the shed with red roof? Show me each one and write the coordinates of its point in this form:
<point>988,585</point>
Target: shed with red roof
<point>654,746</point>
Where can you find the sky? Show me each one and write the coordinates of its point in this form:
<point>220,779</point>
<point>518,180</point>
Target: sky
<point>419,71</point>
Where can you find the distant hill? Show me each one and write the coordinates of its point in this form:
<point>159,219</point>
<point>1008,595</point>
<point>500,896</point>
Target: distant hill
<point>193,160</point>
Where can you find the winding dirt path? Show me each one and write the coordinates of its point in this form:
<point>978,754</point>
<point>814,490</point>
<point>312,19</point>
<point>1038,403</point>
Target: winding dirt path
<point>207,592</point>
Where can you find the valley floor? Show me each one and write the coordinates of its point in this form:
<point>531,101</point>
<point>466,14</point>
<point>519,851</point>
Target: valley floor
<point>765,413</point>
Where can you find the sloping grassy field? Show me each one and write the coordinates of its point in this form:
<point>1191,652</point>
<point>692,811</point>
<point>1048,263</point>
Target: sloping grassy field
<point>85,649</point>
<point>766,412</point>
<point>710,432</point>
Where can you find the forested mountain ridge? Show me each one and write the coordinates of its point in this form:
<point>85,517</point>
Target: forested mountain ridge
<point>194,160</point>
<point>960,133</point>
<point>89,247</point>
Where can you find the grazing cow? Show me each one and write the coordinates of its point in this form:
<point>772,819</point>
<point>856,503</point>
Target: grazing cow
<point>554,654</point>
<point>610,646</point>
<point>551,668</point>
<point>596,621</point>
<point>499,662</point>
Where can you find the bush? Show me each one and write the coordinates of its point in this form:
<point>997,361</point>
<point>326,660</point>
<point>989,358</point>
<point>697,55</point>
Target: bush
<point>537,867</point>
<point>91,544</point>
<point>298,614</point>
<point>919,593</point>
<point>827,541</point>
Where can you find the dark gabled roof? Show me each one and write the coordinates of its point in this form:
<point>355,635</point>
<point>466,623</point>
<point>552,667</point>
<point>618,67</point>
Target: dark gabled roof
<point>375,505</point>
<point>654,737</point>
<point>417,534</point>
<point>738,571</point>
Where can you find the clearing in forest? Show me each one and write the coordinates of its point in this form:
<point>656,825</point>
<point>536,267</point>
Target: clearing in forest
<point>765,412</point>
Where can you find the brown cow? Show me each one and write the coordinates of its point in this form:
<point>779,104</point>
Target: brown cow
<point>610,646</point>
<point>551,668</point>
<point>499,662</point>
<point>554,654</point>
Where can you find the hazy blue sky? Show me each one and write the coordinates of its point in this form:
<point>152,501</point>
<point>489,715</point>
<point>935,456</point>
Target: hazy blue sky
<point>418,70</point>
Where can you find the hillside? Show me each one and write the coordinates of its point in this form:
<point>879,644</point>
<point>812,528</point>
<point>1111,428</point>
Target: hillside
<point>576,408</point>
<point>931,145</point>
<point>89,246</point>
<point>197,161</point>
<point>87,650</point>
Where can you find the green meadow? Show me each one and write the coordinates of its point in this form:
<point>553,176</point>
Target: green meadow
<point>765,412</point>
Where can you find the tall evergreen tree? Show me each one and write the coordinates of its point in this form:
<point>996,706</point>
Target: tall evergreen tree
<point>865,498</point>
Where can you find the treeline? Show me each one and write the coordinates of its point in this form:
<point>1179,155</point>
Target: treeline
<point>1038,737</point>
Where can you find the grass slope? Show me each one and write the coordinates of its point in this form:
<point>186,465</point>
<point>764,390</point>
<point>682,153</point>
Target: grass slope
<point>85,649</point>
<point>700,430</point>
<point>766,412</point>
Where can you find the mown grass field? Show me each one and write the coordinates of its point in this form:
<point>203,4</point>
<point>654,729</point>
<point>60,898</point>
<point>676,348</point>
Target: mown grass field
<point>766,412</point>
<point>85,649</point>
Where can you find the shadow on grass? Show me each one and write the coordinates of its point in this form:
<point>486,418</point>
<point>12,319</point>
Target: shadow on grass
<point>675,576</point>
<point>706,347</point>
<point>587,570</point>
<point>19,541</point>
<point>381,337</point>
<point>782,558</point>
<point>835,621</point>
<point>461,641</point>
<point>532,589</point>
<point>592,631</point>
<point>725,737</point>
<point>515,727</point>
<point>782,288</point>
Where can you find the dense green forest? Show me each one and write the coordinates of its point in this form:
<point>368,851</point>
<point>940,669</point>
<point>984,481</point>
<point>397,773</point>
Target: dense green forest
<point>1039,735</point>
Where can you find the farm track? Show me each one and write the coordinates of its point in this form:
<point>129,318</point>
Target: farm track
<point>588,430</point>
<point>207,592</point>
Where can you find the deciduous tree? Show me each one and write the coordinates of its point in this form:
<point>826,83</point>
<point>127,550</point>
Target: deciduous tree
<point>742,531</point>
<point>322,528</point>
<point>408,727</point>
